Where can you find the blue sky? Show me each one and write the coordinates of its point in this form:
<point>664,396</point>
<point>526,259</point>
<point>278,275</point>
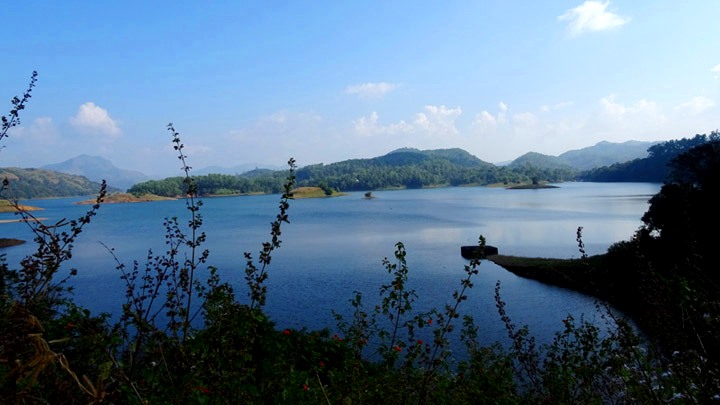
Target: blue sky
<point>257,82</point>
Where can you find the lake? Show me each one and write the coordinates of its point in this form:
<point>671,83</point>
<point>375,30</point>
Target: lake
<point>335,246</point>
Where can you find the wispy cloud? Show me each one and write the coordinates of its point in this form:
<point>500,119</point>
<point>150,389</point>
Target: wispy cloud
<point>434,120</point>
<point>591,16</point>
<point>716,70</point>
<point>696,105</point>
<point>270,139</point>
<point>620,111</point>
<point>485,119</point>
<point>438,120</point>
<point>371,90</point>
<point>92,118</point>
<point>556,107</point>
<point>368,126</point>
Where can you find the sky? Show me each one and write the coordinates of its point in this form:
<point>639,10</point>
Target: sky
<point>258,82</point>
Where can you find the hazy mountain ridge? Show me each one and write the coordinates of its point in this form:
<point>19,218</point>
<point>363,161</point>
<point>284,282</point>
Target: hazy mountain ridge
<point>599,155</point>
<point>653,168</point>
<point>96,169</point>
<point>419,168</point>
<point>605,154</point>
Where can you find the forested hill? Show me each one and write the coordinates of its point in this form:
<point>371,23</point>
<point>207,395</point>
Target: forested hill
<point>402,168</point>
<point>653,168</point>
<point>39,183</point>
<point>406,167</point>
<point>535,159</point>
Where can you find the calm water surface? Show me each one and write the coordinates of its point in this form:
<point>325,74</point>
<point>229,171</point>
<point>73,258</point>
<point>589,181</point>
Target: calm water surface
<point>335,246</point>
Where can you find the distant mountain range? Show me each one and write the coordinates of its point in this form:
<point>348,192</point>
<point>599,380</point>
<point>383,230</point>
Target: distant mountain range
<point>604,153</point>
<point>653,168</point>
<point>448,162</point>
<point>96,169</point>
<point>601,154</point>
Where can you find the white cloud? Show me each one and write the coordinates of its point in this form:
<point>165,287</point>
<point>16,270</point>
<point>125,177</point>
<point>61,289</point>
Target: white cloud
<point>371,90</point>
<point>591,16</point>
<point>696,105</point>
<point>620,111</point>
<point>716,70</point>
<point>503,107</point>
<point>434,121</point>
<point>438,120</point>
<point>41,138</point>
<point>40,131</point>
<point>556,107</point>
<point>486,120</point>
<point>525,119</point>
<point>369,126</point>
<point>505,136</point>
<point>92,118</point>
<point>282,119</point>
<point>272,138</point>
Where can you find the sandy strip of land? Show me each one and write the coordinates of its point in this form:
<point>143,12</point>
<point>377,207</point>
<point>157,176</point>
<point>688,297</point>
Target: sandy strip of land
<point>5,221</point>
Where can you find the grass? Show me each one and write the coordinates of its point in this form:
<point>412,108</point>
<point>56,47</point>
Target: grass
<point>6,206</point>
<point>313,192</point>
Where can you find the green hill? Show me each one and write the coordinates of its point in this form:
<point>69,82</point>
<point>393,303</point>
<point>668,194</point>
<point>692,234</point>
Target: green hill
<point>39,183</point>
<point>538,160</point>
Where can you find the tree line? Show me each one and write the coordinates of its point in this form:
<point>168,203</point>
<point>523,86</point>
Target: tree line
<point>404,169</point>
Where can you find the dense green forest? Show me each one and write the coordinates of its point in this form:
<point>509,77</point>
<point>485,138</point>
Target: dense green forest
<point>404,168</point>
<point>412,168</point>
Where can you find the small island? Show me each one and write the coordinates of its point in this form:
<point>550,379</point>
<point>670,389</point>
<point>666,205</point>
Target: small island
<point>315,192</point>
<point>7,206</point>
<point>128,198</point>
